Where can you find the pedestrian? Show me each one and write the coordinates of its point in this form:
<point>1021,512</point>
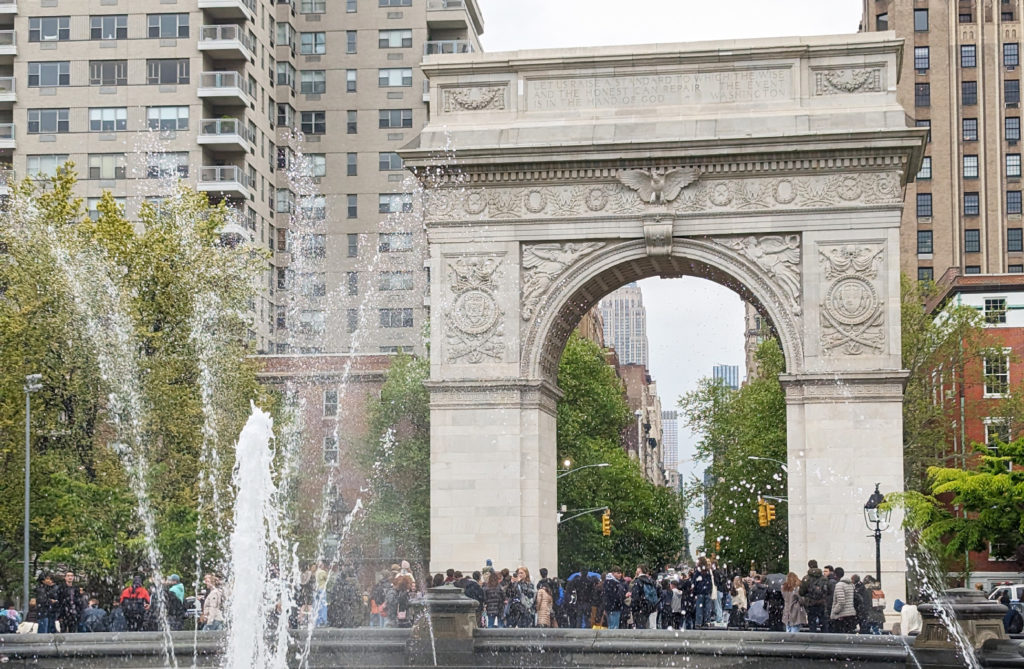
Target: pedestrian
<point>68,604</point>
<point>738,615</point>
<point>494,600</point>
<point>876,610</point>
<point>9,619</point>
<point>813,595</point>
<point>668,591</point>
<point>720,581</point>
<point>843,616</point>
<point>614,595</point>
<point>793,613</point>
<point>861,604</point>
<point>379,599</point>
<point>212,618</point>
<point>703,584</point>
<point>645,598</point>
<point>320,598</point>
<point>174,598</point>
<point>578,592</point>
<point>471,588</point>
<point>135,602</point>
<point>94,619</point>
<point>401,594</point>
<point>520,597</point>
<point>545,603</point>
<point>46,604</point>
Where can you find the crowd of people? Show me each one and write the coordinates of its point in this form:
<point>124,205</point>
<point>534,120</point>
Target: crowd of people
<point>706,595</point>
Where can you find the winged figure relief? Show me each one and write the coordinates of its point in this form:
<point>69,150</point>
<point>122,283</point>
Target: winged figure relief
<point>659,186</point>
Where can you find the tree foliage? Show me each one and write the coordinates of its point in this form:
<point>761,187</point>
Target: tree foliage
<point>735,425</point>
<point>646,519</point>
<point>182,292</point>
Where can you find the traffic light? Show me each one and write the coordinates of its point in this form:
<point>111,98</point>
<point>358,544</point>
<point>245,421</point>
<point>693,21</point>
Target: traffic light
<point>606,523</point>
<point>771,512</point>
<point>762,513</point>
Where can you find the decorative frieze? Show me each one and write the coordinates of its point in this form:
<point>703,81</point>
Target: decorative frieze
<point>844,81</point>
<point>474,98</point>
<point>474,321</point>
<point>542,264</point>
<point>852,309</point>
<point>778,256</point>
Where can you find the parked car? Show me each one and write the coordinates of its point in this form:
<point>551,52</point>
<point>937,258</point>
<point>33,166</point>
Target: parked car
<point>1016,593</point>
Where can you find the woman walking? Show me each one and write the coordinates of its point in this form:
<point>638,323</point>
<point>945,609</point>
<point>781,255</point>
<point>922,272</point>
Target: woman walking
<point>793,613</point>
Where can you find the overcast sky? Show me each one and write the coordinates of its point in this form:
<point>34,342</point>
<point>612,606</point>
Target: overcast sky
<point>692,324</point>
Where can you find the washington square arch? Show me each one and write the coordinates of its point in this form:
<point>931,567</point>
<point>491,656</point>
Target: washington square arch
<point>774,167</point>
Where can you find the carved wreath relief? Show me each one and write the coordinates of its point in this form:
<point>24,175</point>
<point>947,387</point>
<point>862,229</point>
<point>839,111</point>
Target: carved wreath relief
<point>474,99</point>
<point>542,264</point>
<point>852,312</point>
<point>848,80</point>
<point>474,327</point>
<point>778,256</point>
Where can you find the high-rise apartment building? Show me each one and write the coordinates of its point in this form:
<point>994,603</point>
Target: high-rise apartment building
<point>961,79</point>
<point>670,440</point>
<point>138,93</point>
<point>625,324</point>
<point>729,375</point>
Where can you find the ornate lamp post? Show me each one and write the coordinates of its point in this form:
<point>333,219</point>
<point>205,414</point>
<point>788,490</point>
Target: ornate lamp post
<point>877,520</point>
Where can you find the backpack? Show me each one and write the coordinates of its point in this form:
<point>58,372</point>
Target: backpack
<point>525,600</point>
<point>816,593</point>
<point>8,625</point>
<point>133,607</point>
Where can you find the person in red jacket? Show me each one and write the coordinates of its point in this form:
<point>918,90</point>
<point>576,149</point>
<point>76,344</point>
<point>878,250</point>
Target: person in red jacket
<point>134,604</point>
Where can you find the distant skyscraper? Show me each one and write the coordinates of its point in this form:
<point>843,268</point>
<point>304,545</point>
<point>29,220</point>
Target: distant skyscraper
<point>728,374</point>
<point>625,324</point>
<point>670,440</point>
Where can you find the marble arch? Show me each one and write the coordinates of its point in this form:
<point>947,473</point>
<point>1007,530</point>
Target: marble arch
<point>776,167</point>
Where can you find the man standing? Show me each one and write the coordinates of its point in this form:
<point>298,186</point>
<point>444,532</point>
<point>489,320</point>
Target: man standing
<point>68,607</point>
<point>813,593</point>
<point>135,602</point>
<point>614,597</point>
<point>645,598</point>
<point>46,604</point>
<point>702,586</point>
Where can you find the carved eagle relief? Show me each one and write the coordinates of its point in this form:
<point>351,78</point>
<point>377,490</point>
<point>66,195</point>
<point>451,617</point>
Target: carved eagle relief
<point>657,186</point>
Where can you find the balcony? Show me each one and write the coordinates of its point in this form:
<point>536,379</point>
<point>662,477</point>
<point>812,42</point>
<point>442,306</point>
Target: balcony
<point>233,234</point>
<point>7,90</point>
<point>227,42</point>
<point>225,180</point>
<point>447,46</point>
<point>230,9</point>
<point>6,136</point>
<point>8,6</point>
<point>454,15</point>
<point>222,134</point>
<point>226,87</point>
<point>8,46</point>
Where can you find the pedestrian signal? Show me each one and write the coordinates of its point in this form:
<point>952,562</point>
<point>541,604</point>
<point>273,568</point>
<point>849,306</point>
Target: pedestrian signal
<point>606,523</point>
<point>770,512</point>
<point>762,514</point>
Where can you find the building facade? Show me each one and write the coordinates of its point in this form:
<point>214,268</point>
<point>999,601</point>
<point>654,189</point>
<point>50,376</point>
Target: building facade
<point>143,94</point>
<point>729,375</point>
<point>625,324</point>
<point>670,447</point>
<point>960,78</point>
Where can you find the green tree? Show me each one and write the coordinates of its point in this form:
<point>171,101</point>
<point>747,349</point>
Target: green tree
<point>736,425</point>
<point>592,414</point>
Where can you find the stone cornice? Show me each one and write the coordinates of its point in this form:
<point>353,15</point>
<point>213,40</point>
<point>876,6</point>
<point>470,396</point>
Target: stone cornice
<point>478,394</point>
<point>844,387</point>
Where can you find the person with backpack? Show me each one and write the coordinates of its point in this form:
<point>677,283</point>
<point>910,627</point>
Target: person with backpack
<point>94,619</point>
<point>703,584</point>
<point>645,598</point>
<point>520,596</point>
<point>9,619</point>
<point>494,600</point>
<point>578,595</point>
<point>379,599</point>
<point>614,594</point>
<point>813,596</point>
<point>174,596</point>
<point>135,602</point>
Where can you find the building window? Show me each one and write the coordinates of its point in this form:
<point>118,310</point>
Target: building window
<point>108,119</point>
<point>1015,269</point>
<point>968,56</point>
<point>350,81</point>
<point>313,122</point>
<point>997,431</point>
<point>395,118</point>
<point>924,242</point>
<point>313,7</point>
<point>47,121</point>
<point>1011,88</point>
<point>330,450</point>
<point>922,95</point>
<point>1013,164</point>
<point>50,73</point>
<point>331,402</point>
<point>351,6</point>
<point>311,44</point>
<point>1013,202</point>
<point>106,166</point>
<point>881,22</point>
<point>1015,240</point>
<point>971,204</point>
<point>394,203</point>
<point>396,318</point>
<point>49,28</point>
<point>167,118</point>
<point>45,164</point>
<point>314,246</point>
<point>168,26</point>
<point>925,172</point>
<point>353,205</point>
<point>285,75</point>
<point>353,245</point>
<point>284,202</point>
<point>395,3</point>
<point>970,167</point>
<point>1011,126</point>
<point>92,206</point>
<point>921,60</point>
<point>313,82</point>
<point>925,123</point>
<point>313,284</point>
<point>972,241</point>
<point>920,20</point>
<point>965,18</point>
<point>395,281</point>
<point>969,92</point>
<point>352,164</point>
<point>1011,54</point>
<point>108,72</point>
<point>352,320</point>
<point>995,310</point>
<point>313,207</point>
<point>285,115</point>
<point>111,26</point>
<point>390,161</point>
<point>390,242</point>
<point>352,281</point>
<point>317,164</point>
<point>167,165</point>
<point>394,39</point>
<point>970,129</point>
<point>972,269</point>
<point>997,374</point>
<point>925,274</point>
<point>394,76</point>
<point>924,205</point>
<point>351,122</point>
<point>167,71</point>
<point>351,41</point>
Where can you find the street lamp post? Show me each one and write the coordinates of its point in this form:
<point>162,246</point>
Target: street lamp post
<point>32,384</point>
<point>873,515</point>
<point>576,469</point>
<point>780,463</point>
